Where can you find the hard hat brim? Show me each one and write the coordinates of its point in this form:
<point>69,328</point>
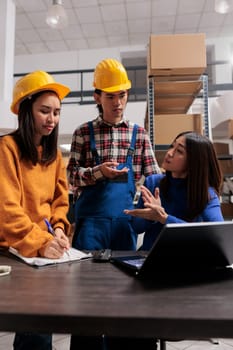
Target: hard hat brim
<point>60,89</point>
<point>116,88</point>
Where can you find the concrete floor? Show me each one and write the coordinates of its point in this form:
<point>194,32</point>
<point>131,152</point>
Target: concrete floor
<point>62,342</point>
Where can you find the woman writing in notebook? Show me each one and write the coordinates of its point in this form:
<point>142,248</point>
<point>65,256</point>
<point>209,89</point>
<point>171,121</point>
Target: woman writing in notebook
<point>33,180</point>
<point>187,192</point>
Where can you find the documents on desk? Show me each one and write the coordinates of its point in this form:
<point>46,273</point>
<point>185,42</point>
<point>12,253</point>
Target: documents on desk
<point>71,255</point>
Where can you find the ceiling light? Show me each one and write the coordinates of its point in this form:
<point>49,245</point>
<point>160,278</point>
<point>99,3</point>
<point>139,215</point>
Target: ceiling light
<point>223,6</point>
<point>56,17</point>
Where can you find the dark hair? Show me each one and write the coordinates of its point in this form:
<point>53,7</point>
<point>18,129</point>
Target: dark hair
<point>99,106</point>
<point>203,170</point>
<point>24,135</point>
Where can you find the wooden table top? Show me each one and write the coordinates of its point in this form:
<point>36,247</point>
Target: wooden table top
<point>99,298</point>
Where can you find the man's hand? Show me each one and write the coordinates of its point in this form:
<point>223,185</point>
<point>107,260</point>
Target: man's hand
<point>110,171</point>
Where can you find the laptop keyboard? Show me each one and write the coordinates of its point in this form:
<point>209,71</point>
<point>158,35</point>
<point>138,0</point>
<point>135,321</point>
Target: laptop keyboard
<point>135,262</point>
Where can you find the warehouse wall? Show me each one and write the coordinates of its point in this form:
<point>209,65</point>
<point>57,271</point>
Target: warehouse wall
<point>74,114</point>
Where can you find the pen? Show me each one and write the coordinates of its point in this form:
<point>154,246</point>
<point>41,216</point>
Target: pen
<point>50,229</point>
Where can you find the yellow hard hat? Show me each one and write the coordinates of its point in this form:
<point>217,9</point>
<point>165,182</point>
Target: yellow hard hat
<point>111,76</point>
<point>33,83</point>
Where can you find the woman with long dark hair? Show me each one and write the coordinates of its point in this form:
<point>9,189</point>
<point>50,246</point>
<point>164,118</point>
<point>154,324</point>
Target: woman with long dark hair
<point>188,191</point>
<point>33,181</point>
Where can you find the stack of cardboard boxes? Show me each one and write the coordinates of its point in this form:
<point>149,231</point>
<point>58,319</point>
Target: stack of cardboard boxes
<point>223,129</point>
<point>175,63</point>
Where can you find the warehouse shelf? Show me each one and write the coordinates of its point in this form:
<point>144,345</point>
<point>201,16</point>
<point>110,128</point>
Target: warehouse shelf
<point>175,97</point>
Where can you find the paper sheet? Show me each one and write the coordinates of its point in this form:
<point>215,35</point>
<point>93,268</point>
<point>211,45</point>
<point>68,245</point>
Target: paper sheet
<point>71,255</point>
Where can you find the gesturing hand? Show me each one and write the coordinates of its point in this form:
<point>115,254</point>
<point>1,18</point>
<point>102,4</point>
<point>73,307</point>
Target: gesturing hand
<point>148,197</point>
<point>153,210</point>
<point>110,171</point>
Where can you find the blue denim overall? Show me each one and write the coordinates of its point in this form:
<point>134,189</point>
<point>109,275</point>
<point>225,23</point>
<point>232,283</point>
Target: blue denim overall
<point>100,220</point>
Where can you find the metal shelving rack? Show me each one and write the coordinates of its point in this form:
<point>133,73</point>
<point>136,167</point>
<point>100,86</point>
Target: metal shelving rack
<point>151,108</point>
<point>152,103</point>
<point>207,128</point>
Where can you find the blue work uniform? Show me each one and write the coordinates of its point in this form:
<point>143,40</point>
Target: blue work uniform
<point>99,210</point>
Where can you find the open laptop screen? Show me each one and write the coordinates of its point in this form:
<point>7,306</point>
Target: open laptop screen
<point>188,246</point>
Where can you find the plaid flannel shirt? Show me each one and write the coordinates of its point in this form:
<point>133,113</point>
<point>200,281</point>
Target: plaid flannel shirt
<point>112,143</point>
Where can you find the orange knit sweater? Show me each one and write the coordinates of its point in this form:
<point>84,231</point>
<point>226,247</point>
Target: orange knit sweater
<point>28,194</point>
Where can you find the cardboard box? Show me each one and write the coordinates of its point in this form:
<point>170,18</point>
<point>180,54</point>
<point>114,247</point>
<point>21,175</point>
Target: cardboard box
<point>227,210</point>
<point>223,130</point>
<point>173,104</point>
<point>176,88</point>
<point>226,166</point>
<point>175,97</point>
<point>168,126</point>
<point>221,148</point>
<point>160,154</point>
<point>177,54</point>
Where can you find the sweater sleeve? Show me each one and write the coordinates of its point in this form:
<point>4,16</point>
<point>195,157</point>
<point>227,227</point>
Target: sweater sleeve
<point>59,206</point>
<point>211,213</point>
<point>18,229</point>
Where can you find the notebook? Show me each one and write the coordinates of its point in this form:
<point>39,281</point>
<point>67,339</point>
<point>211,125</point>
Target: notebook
<point>184,247</point>
<point>69,256</point>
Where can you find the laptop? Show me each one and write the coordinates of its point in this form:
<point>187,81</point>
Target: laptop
<point>196,247</point>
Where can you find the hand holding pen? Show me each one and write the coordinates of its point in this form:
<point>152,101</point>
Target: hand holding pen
<point>49,226</point>
<point>61,243</point>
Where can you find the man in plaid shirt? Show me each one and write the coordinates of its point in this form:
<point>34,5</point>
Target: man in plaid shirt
<point>103,168</point>
<point>108,156</point>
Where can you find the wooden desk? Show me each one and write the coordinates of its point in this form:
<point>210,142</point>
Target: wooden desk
<point>94,298</point>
